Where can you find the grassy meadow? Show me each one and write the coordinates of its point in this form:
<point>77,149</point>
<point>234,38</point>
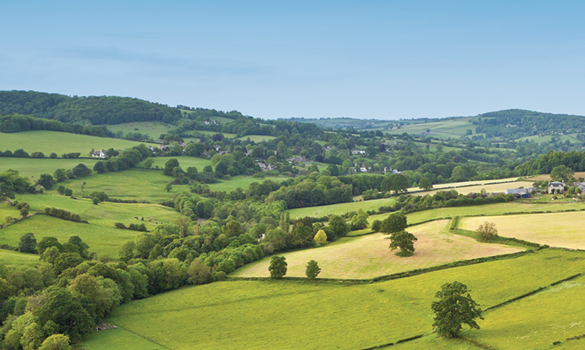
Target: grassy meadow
<point>13,258</point>
<point>34,167</point>
<point>153,129</point>
<point>555,229</point>
<point>341,208</point>
<point>8,210</point>
<point>234,314</point>
<point>138,184</point>
<point>101,239</point>
<point>369,256</point>
<point>59,142</point>
<point>257,138</point>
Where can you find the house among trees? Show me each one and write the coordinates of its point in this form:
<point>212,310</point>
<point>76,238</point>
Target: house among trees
<point>296,160</point>
<point>556,187</point>
<point>99,154</point>
<point>163,147</point>
<point>358,151</point>
<point>265,166</point>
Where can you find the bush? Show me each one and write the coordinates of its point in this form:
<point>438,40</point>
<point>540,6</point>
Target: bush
<point>487,231</point>
<point>278,267</point>
<point>312,270</point>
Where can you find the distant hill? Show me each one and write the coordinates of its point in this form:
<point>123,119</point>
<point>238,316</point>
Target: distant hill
<point>96,109</point>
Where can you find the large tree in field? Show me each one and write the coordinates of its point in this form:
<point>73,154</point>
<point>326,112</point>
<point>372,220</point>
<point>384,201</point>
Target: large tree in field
<point>403,240</point>
<point>454,308</point>
<point>395,222</point>
<point>425,184</point>
<point>28,243</point>
<point>169,166</point>
<point>278,267</point>
<point>562,173</point>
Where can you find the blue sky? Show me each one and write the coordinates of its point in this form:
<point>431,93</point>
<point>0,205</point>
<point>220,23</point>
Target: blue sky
<point>279,59</point>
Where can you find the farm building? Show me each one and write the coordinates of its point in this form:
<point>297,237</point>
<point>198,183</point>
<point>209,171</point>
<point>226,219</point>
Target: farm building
<point>556,187</point>
<point>521,192</point>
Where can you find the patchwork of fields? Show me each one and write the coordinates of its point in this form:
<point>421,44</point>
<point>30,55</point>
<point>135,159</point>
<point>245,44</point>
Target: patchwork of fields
<point>232,315</point>
<point>369,256</point>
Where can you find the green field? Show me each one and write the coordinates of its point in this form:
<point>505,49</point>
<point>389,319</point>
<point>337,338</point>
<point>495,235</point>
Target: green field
<point>59,142</point>
<point>33,167</point>
<point>242,182</point>
<point>369,256</point>
<point>184,162</point>
<point>8,210</point>
<point>225,134</point>
<point>340,208</point>
<point>138,184</point>
<point>104,214</point>
<point>153,129</point>
<point>12,258</point>
<point>247,314</point>
<point>556,229</point>
<point>101,239</point>
<point>256,138</point>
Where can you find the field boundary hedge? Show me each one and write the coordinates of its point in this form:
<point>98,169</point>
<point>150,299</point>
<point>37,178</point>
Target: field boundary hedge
<point>537,290</point>
<point>396,343</point>
<point>394,276</point>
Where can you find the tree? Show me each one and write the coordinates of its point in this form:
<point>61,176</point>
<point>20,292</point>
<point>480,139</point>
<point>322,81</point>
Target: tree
<point>395,222</point>
<point>453,309</point>
<point>168,187</point>
<point>277,267</point>
<point>320,237</point>
<point>312,270</point>
<point>23,212</point>
<point>338,225</point>
<point>81,170</point>
<point>487,231</point>
<point>147,163</point>
<point>169,166</point>
<point>46,181</point>
<point>47,242</point>
<point>376,225</point>
<point>56,342</point>
<point>99,167</point>
<point>399,183</point>
<point>301,235</point>
<point>403,240</point>
<point>199,273</point>
<point>425,184</point>
<point>221,169</point>
<point>28,243</point>
<point>562,173</point>
<point>359,221</point>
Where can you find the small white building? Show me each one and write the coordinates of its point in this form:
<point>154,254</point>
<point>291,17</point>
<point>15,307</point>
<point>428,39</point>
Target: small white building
<point>99,154</point>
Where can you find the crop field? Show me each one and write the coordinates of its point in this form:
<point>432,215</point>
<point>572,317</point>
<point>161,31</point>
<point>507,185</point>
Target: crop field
<point>105,213</point>
<point>153,129</point>
<point>225,134</point>
<point>340,208</point>
<point>369,256</point>
<point>546,177</point>
<point>242,182</point>
<point>357,316</point>
<point>184,162</point>
<point>138,184</point>
<point>555,229</point>
<point>101,239</point>
<point>33,167</point>
<point>257,138</point>
<point>59,142</point>
<point>12,258</point>
<point>499,187</point>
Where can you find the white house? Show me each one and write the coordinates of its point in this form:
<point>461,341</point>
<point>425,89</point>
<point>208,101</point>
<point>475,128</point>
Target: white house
<point>556,187</point>
<point>99,154</point>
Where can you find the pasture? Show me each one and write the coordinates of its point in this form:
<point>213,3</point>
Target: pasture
<point>234,314</point>
<point>138,184</point>
<point>369,256</point>
<point>105,213</point>
<point>256,138</point>
<point>153,129</point>
<point>8,210</point>
<point>34,167</point>
<point>13,258</point>
<point>184,162</point>
<point>101,239</point>
<point>59,142</point>
<point>340,208</point>
<point>555,229</point>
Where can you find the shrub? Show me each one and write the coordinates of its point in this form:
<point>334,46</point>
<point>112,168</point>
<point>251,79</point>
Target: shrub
<point>278,267</point>
<point>312,270</point>
<point>487,231</point>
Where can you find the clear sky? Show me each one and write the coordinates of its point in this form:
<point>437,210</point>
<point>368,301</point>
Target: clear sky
<point>279,59</point>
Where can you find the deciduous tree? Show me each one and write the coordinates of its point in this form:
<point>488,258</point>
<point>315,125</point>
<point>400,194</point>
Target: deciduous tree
<point>403,240</point>
<point>312,270</point>
<point>278,267</point>
<point>454,308</point>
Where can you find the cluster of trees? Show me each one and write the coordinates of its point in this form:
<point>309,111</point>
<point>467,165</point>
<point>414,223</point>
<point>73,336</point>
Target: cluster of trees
<point>11,182</point>
<point>134,227</point>
<point>127,159</point>
<point>308,192</point>
<point>62,214</point>
<point>93,109</point>
<point>395,225</point>
<point>17,123</point>
<point>278,268</point>
<point>546,163</point>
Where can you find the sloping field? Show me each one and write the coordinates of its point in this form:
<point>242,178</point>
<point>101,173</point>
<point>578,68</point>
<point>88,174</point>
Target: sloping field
<point>101,239</point>
<point>12,258</point>
<point>547,317</point>
<point>59,142</point>
<point>34,167</point>
<point>296,315</point>
<point>469,184</point>
<point>105,213</point>
<point>546,177</point>
<point>7,210</point>
<point>153,129</point>
<point>369,256</point>
<point>138,184</point>
<point>242,182</point>
<point>256,138</point>
<point>499,187</point>
<point>340,208</point>
<point>555,229</point>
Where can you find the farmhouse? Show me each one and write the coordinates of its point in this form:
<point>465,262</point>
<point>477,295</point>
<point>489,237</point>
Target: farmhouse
<point>357,151</point>
<point>556,187</point>
<point>99,154</point>
<point>163,147</point>
<point>299,159</point>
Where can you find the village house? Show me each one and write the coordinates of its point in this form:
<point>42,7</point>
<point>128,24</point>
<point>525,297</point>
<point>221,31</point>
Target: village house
<point>556,187</point>
<point>357,151</point>
<point>163,148</point>
<point>296,160</point>
<point>99,154</point>
<point>521,192</point>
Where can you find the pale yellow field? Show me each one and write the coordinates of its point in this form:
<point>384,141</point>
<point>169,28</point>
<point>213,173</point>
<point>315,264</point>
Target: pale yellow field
<point>546,177</point>
<point>499,187</point>
<point>369,256</point>
<point>555,229</point>
<point>467,183</point>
